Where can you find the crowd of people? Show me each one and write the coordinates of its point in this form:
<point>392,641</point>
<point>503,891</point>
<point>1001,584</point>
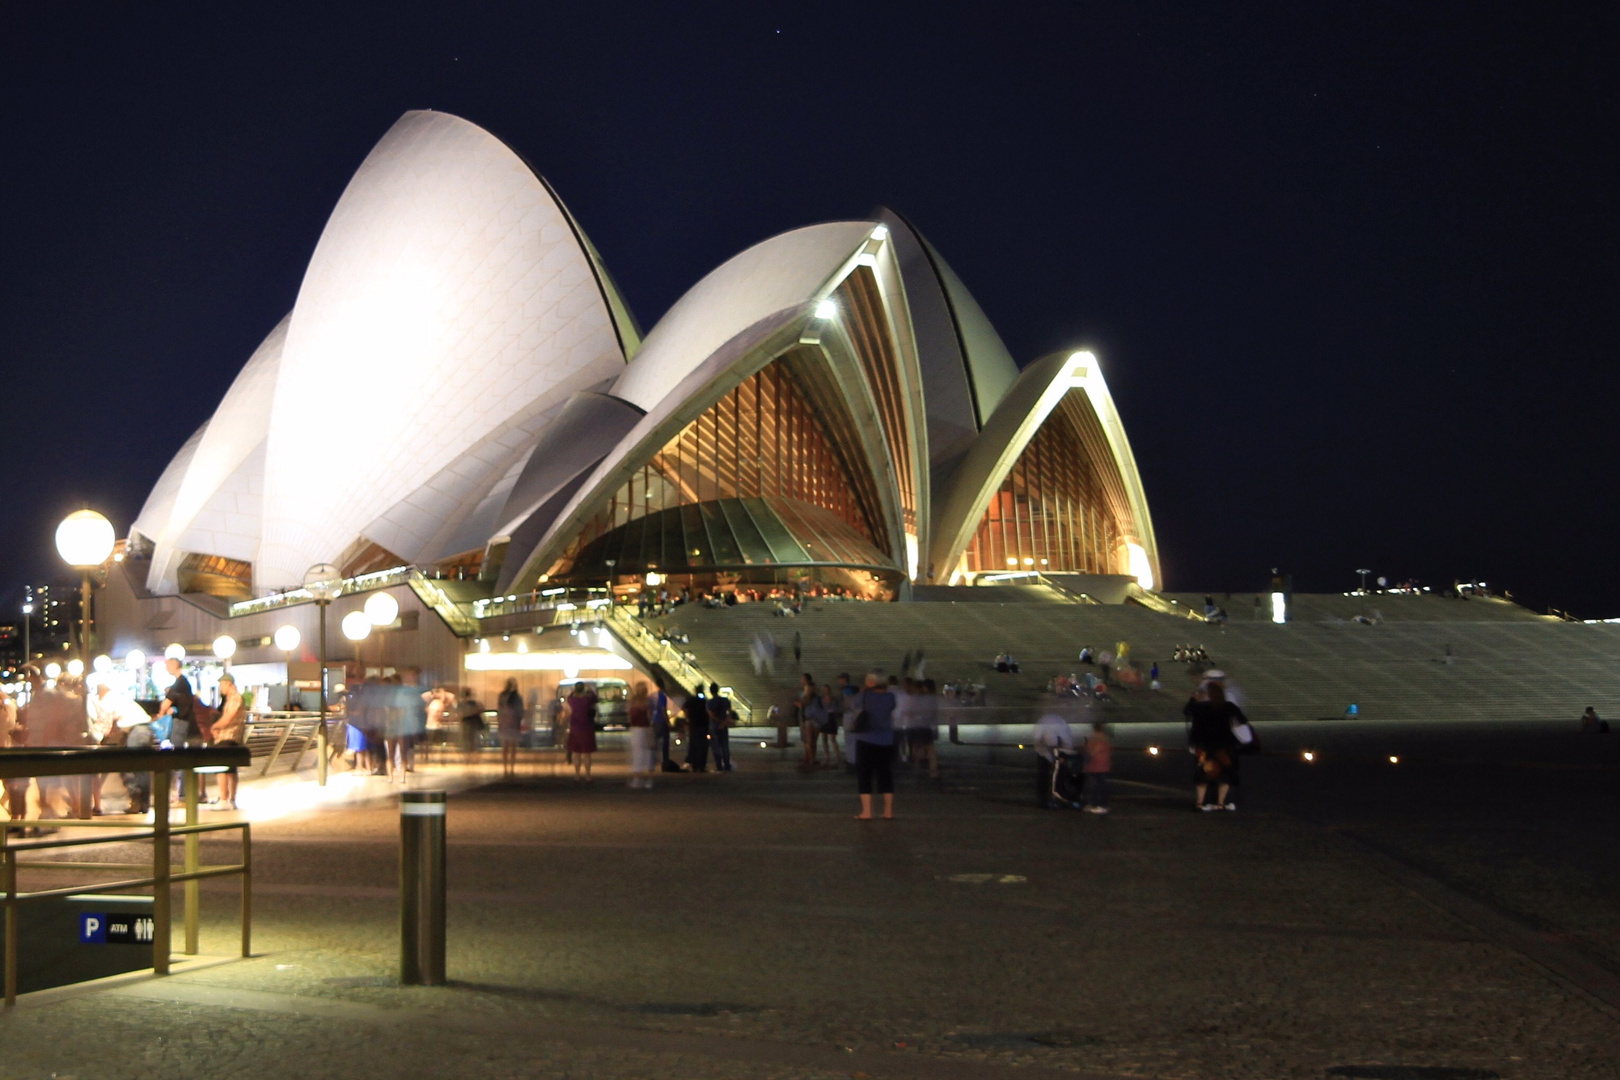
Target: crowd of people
<point>66,713</point>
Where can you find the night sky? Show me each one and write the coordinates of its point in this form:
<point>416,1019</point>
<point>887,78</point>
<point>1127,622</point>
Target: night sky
<point>1351,268</point>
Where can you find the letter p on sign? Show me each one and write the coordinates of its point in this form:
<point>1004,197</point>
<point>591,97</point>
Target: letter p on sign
<point>92,929</point>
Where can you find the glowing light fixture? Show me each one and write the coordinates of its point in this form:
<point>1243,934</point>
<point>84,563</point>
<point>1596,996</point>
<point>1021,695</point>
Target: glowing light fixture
<point>288,638</point>
<point>175,651</point>
<point>654,579</point>
<point>224,646</point>
<point>382,609</point>
<point>568,662</point>
<point>102,664</point>
<point>355,626</point>
<point>53,670</point>
<point>1153,751</point>
<point>1309,755</point>
<point>75,667</point>
<point>323,582</point>
<point>1394,760</point>
<point>827,309</point>
<point>84,539</point>
<point>1279,607</point>
<point>1140,566</point>
<point>134,660</point>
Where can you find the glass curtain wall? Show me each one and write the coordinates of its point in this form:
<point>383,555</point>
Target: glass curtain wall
<point>1062,507</point>
<point>763,448</point>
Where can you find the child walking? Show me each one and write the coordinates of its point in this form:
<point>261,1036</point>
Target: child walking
<point>1099,763</point>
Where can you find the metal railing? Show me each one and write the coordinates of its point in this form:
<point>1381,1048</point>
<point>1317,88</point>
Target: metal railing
<point>161,764</point>
<point>652,649</point>
<point>281,738</point>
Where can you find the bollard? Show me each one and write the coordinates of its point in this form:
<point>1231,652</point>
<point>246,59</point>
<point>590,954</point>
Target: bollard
<point>421,888</point>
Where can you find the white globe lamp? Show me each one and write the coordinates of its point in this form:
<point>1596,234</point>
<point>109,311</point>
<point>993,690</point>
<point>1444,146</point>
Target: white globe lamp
<point>85,539</point>
<point>288,638</point>
<point>175,651</point>
<point>224,646</point>
<point>324,582</point>
<point>355,626</point>
<point>382,609</point>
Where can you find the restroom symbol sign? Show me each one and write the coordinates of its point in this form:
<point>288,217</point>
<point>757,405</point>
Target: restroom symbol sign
<point>115,929</point>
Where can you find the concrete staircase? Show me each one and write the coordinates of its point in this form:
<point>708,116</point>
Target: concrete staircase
<point>1504,663</point>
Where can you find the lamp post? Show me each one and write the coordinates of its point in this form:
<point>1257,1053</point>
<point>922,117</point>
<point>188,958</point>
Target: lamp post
<point>287,639</point>
<point>28,632</point>
<point>84,539</point>
<point>381,610</point>
<point>324,583</point>
<point>224,649</point>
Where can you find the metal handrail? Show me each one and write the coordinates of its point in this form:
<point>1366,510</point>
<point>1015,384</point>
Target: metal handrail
<point>19,763</point>
<point>668,657</point>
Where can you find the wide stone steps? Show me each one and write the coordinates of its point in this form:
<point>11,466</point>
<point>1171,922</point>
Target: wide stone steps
<point>1504,668</point>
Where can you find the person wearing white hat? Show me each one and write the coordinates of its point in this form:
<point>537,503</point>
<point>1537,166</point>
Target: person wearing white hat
<point>121,713</point>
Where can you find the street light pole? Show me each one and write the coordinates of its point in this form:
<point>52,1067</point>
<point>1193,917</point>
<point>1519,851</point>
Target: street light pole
<point>28,632</point>
<point>85,540</point>
<point>320,727</point>
<point>324,582</point>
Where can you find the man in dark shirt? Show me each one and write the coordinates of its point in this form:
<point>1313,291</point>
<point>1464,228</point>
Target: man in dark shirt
<point>180,706</point>
<point>720,728</point>
<point>696,711</point>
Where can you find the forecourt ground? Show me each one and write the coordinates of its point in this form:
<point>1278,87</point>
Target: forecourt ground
<point>1455,909</point>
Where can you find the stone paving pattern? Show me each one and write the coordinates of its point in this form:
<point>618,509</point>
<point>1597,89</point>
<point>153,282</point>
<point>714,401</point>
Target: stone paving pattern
<point>743,925</point>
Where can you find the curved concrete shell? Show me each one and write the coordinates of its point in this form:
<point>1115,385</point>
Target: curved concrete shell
<point>460,386</point>
<point>449,294</point>
<point>739,302</point>
<point>1073,380</point>
<point>217,506</point>
<point>779,297</point>
<point>159,505</point>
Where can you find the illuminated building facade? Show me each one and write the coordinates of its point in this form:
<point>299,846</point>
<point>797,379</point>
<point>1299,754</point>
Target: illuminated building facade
<point>829,407</point>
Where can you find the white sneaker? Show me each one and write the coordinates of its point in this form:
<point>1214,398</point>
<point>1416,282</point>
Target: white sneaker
<point>1231,806</point>
<point>1096,809</point>
<point>1206,807</point>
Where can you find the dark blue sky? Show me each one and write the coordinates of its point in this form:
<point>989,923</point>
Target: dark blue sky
<point>1351,268</point>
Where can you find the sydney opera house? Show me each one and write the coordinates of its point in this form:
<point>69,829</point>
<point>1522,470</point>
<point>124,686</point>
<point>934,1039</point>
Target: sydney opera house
<point>460,389</point>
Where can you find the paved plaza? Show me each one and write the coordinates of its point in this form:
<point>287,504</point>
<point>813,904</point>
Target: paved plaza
<point>1453,910</point>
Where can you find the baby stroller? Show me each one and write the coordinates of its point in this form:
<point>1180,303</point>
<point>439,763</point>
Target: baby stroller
<point>1068,779</point>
